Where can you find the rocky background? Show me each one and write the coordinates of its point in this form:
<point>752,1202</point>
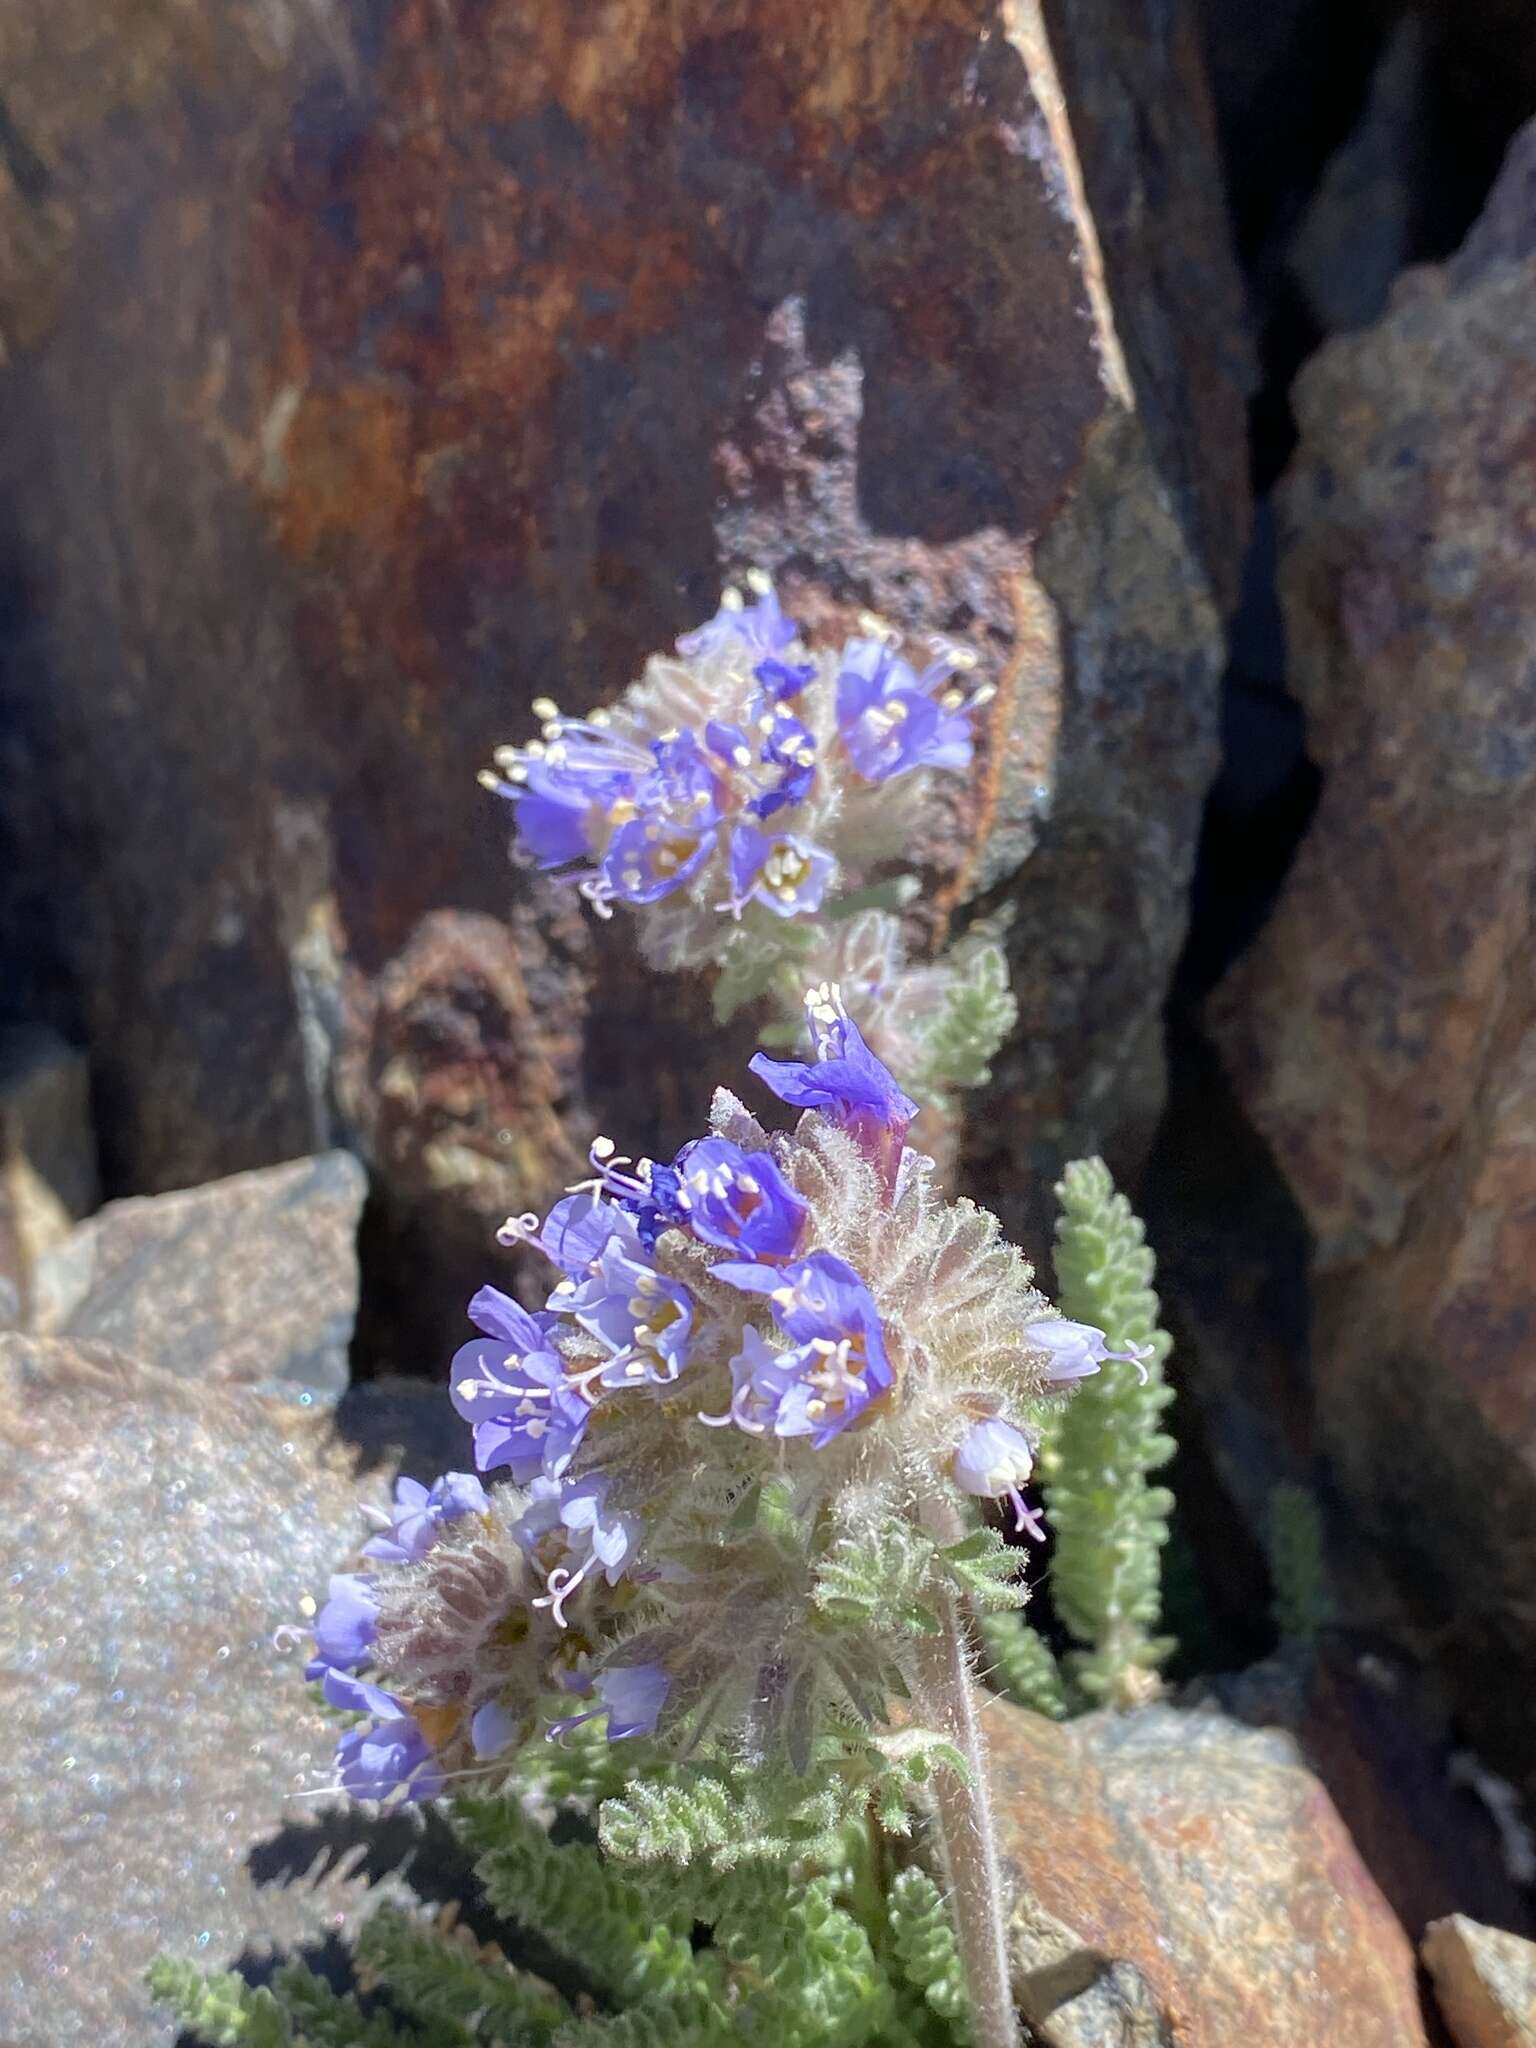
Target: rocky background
<point>367,371</point>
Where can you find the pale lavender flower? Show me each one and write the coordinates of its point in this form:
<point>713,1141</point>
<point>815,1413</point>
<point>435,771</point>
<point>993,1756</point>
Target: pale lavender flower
<point>632,1697</point>
<point>845,1081</point>
<point>994,1460</point>
<point>889,718</point>
<point>527,1412</point>
<point>389,1753</point>
<point>420,1513</point>
<point>763,628</point>
<point>1078,1349</point>
<point>346,1627</point>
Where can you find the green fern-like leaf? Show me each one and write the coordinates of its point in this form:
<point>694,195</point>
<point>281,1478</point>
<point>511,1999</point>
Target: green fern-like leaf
<point>978,1013</point>
<point>1020,1665</point>
<point>1297,1564</point>
<point>875,1583</point>
<point>435,1976</point>
<point>924,1943</point>
<point>985,1570</point>
<point>218,2006</point>
<point>297,2010</point>
<point>816,1982</point>
<point>1110,1522</point>
<point>641,2029</point>
<point>323,2018</point>
<point>723,1819</point>
<point>582,1906</point>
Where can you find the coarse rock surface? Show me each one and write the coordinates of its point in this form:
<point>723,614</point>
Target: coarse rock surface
<point>251,1279</point>
<point>1382,1032</point>
<point>159,1744</point>
<point>460,347</point>
<point>1435,1830</point>
<point>1485,1983</point>
<point>1209,1860</point>
<point>48,1175</point>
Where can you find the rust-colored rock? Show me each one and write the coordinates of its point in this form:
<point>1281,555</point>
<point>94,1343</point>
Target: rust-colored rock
<point>1383,1030</point>
<point>1208,1858</point>
<point>1485,1983</point>
<point>451,365</point>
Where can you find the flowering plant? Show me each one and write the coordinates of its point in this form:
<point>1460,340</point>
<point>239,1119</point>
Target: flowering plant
<point>722,1580</point>
<point>747,1436</point>
<point>751,801</point>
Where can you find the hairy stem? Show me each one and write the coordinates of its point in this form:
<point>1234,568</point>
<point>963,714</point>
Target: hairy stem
<point>949,1703</point>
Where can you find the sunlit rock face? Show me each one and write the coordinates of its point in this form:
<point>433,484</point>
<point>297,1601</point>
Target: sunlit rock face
<point>165,1754</point>
<point>457,352</point>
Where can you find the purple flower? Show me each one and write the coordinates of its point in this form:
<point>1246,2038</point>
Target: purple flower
<point>839,1364</point>
<point>596,1538</point>
<point>739,1200</point>
<point>632,1696</point>
<point>513,1387</point>
<point>888,717</point>
<point>491,1730</point>
<point>346,1626</point>
<point>1078,1349</point>
<point>845,1082</point>
<point>674,831</point>
<point>575,1233</point>
<point>657,1208</point>
<point>388,1754</point>
<point>641,1317</point>
<point>784,873</point>
<point>420,1513</point>
<point>762,1381</point>
<point>779,680</point>
<point>762,628</point>
<point>791,747</point>
<point>995,1459</point>
<point>571,789</point>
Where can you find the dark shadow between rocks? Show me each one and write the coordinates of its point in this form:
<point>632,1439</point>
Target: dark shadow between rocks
<point>410,1846</point>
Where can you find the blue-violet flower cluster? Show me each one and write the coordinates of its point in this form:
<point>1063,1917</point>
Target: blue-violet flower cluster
<point>796,1314</point>
<point>743,778</point>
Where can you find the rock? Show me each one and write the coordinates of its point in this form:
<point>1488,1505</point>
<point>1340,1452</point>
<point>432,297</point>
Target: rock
<point>158,1744</point>
<point>1358,230</point>
<point>1382,1032</point>
<point>48,1177</point>
<point>1485,1982</point>
<point>1072,1996</point>
<point>1426,1821</point>
<point>1206,1858</point>
<point>251,1279</point>
<point>449,338</point>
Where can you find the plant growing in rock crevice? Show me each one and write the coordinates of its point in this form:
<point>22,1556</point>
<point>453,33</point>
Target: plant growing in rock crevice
<point>726,1607</point>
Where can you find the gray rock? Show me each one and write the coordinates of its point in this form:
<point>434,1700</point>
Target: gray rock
<point>158,1743</point>
<point>1072,1995</point>
<point>1381,1033</point>
<point>251,1279</point>
<point>48,1176</point>
<point>1485,1982</point>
